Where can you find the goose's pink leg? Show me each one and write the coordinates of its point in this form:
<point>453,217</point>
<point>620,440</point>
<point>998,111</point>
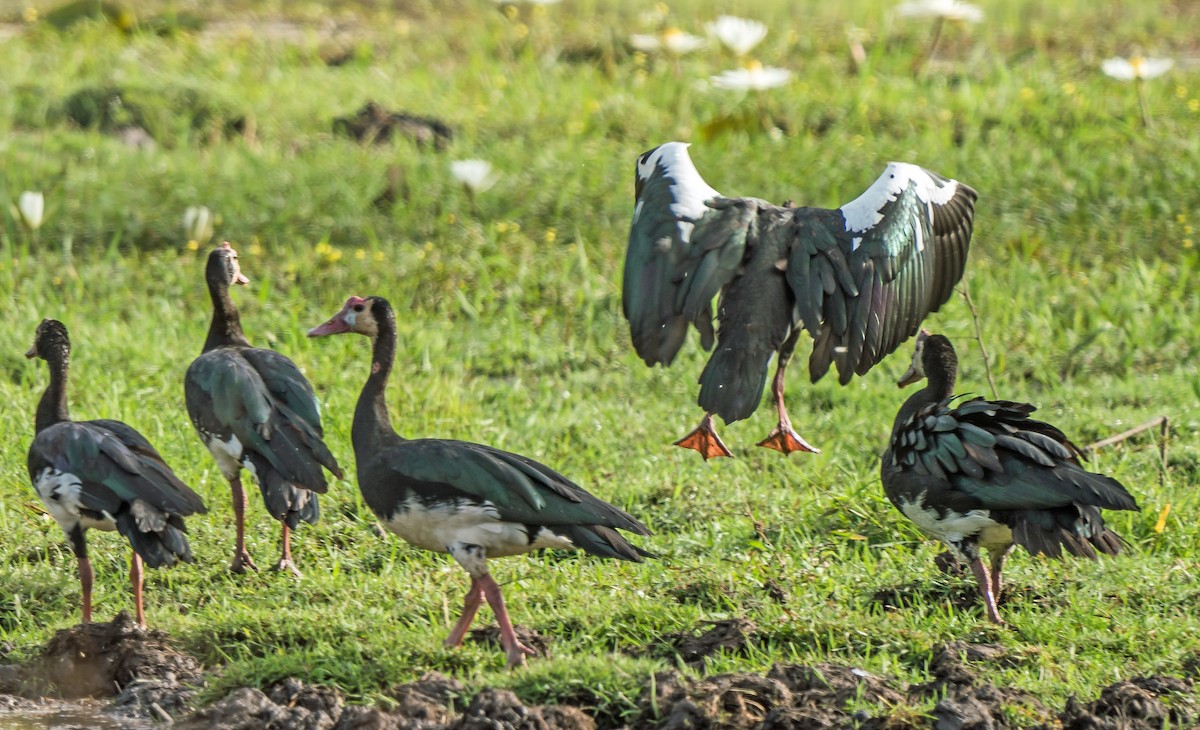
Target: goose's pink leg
<point>515,650</point>
<point>472,603</point>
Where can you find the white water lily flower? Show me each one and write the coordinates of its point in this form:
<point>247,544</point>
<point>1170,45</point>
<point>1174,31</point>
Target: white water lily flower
<point>475,175</point>
<point>671,40</point>
<point>753,76</point>
<point>1136,67</point>
<point>198,223</point>
<point>31,206</point>
<point>737,34</point>
<point>944,9</point>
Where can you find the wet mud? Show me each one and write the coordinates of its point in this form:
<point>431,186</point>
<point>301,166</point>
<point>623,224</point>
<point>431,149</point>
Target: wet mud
<point>116,675</point>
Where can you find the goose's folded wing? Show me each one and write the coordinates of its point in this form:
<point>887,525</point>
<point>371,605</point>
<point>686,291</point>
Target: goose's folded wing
<point>285,381</point>
<point>110,472</point>
<point>520,489</point>
<point>867,274</point>
<point>993,452</point>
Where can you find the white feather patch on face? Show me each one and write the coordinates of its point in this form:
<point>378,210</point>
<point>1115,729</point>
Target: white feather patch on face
<point>349,318</point>
<point>441,526</point>
<point>689,192</point>
<point>60,492</point>
<point>863,213</point>
<point>954,527</point>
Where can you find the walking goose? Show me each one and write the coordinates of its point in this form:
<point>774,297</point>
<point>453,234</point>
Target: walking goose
<point>986,475</point>
<point>254,409</point>
<point>106,475</point>
<point>469,500</point>
<point>860,279</point>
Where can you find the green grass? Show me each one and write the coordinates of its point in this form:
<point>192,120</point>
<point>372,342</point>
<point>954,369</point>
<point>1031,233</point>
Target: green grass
<point>1083,270</point>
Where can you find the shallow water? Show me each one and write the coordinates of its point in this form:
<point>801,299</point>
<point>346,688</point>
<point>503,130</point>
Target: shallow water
<point>65,717</point>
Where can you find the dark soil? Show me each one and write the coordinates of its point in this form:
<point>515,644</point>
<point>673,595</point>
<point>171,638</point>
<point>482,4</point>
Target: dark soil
<point>142,678</point>
<point>490,636</point>
<point>373,123</point>
<point>729,635</point>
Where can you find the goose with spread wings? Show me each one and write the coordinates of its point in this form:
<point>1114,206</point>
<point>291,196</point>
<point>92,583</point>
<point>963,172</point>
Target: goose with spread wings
<point>860,279</point>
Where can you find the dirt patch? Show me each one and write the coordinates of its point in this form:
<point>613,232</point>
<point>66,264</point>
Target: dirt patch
<point>490,636</point>
<point>788,696</point>
<point>147,681</point>
<point>1141,703</point>
<point>373,123</point>
<point>730,635</point>
<point>139,668</point>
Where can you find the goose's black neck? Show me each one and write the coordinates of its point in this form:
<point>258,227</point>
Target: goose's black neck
<point>940,364</point>
<point>372,427</point>
<point>52,408</point>
<point>226,327</point>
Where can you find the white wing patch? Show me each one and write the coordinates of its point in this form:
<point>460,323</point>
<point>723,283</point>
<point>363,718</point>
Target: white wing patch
<point>954,527</point>
<point>228,454</point>
<point>148,518</point>
<point>689,192</point>
<point>864,212</point>
<point>60,491</point>
<point>440,526</point>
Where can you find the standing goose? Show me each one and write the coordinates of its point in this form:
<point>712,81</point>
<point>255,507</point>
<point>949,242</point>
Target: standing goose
<point>986,475</point>
<point>106,475</point>
<point>469,500</point>
<point>254,409</point>
<point>860,279</point>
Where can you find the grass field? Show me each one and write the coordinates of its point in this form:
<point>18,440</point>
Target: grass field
<point>1083,269</point>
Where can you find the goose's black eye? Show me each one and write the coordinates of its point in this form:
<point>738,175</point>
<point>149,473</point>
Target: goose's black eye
<point>359,307</point>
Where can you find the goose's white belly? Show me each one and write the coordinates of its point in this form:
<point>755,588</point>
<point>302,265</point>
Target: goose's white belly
<point>442,526</point>
<point>954,526</point>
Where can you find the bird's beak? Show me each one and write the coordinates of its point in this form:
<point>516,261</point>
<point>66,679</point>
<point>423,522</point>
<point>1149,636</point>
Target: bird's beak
<point>31,352</point>
<point>909,377</point>
<point>335,326</point>
<point>241,279</point>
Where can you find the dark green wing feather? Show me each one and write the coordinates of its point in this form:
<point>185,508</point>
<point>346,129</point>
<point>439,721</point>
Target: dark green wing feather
<point>110,471</point>
<point>521,490</point>
<point>685,244</point>
<point>227,393</point>
<point>999,457</point>
<point>285,381</point>
<point>867,274</point>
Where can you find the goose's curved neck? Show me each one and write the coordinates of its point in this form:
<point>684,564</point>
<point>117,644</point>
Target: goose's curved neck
<point>940,375</point>
<point>372,426</point>
<point>52,408</point>
<point>226,327</point>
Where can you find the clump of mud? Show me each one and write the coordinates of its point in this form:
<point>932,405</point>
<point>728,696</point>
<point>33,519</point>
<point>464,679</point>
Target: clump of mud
<point>374,123</point>
<point>788,696</point>
<point>1141,703</point>
<point>148,680</point>
<point>728,635</point>
<point>138,669</point>
<point>430,703</point>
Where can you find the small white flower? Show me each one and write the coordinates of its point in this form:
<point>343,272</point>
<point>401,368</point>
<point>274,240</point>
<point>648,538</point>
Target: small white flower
<point>1136,67</point>
<point>31,207</point>
<point>944,9</point>
<point>737,34</point>
<point>198,223</point>
<point>475,175</point>
<point>671,40</point>
<point>754,77</point>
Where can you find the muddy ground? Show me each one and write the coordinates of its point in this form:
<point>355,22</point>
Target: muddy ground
<point>121,676</point>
